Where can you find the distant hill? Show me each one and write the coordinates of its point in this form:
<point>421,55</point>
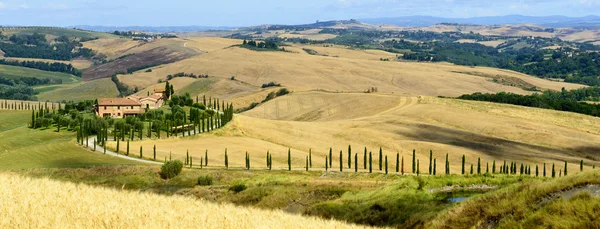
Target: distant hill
<point>153,29</point>
<point>548,21</point>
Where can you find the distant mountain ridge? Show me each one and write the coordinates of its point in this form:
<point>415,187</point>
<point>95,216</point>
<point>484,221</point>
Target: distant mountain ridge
<point>152,29</point>
<point>547,21</point>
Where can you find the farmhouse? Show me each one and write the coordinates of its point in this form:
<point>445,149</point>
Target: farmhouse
<point>130,106</point>
<point>118,107</point>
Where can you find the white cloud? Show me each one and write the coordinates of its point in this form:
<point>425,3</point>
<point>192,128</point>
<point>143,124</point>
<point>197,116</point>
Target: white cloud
<point>2,5</point>
<point>24,6</point>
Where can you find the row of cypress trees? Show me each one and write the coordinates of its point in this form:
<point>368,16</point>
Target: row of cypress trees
<point>22,105</point>
<point>511,169</point>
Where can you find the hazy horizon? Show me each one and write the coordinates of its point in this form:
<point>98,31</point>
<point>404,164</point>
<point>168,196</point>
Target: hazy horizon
<point>246,13</point>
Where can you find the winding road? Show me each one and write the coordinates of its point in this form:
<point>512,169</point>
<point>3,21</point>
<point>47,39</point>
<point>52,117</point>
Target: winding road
<point>111,153</point>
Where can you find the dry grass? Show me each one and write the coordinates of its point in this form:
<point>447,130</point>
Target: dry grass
<point>82,91</point>
<point>399,125</point>
<point>79,206</point>
<point>354,70</point>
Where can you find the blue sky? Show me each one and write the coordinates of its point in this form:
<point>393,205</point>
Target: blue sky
<point>255,12</point>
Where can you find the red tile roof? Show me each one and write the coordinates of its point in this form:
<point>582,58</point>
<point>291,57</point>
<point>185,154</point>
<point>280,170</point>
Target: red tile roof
<point>117,102</point>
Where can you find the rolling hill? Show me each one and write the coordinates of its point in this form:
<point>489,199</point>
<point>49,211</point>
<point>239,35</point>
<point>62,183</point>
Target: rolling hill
<point>398,124</point>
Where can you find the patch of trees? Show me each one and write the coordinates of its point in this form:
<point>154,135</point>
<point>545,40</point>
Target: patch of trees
<point>137,68</point>
<point>36,46</point>
<point>123,89</point>
<point>266,45</point>
<point>17,92</point>
<point>190,75</point>
<point>564,101</point>
<point>52,67</point>
<point>29,81</point>
<point>270,84</point>
<point>136,34</point>
<point>270,96</point>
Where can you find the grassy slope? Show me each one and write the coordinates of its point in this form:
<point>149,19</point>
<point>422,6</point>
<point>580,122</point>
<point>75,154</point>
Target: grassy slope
<point>531,204</point>
<point>76,206</point>
<point>83,91</point>
<point>13,72</point>
<point>23,148</point>
<point>476,129</point>
<point>57,32</point>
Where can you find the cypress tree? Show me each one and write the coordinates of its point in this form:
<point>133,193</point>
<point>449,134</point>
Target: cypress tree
<point>430,162</point>
<point>326,163</point>
<point>402,166</point>
<point>206,158</point>
<point>289,159</point>
<point>117,145</point>
<point>581,166</point>
<point>141,152</point>
<point>310,157</point>
<point>414,161</point>
<point>418,171</point>
<point>380,159</point>
<point>365,158</point>
<point>434,166</point>
<point>478,166</point>
<point>270,161</point>
<point>463,164</point>
<point>370,162</point>
<point>226,160</point>
<point>341,162</point>
<point>104,148</point>
<point>487,167</point>
<point>349,156</point>
<point>386,165</point>
<point>536,171</point>
<point>494,167</point>
<point>267,159</point>
<point>471,169</point>
<point>248,160</point>
<point>565,168</point>
<point>544,169</point>
<point>127,147</point>
<point>330,156</point>
<point>356,162</point>
<point>187,157</point>
<point>397,162</point>
<point>154,156</point>
<point>307,163</point>
<point>553,171</point>
<point>170,158</point>
<point>33,119</point>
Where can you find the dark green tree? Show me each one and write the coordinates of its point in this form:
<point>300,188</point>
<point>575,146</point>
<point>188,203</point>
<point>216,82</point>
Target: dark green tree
<point>463,165</point>
<point>414,162</point>
<point>494,167</point>
<point>310,157</point>
<point>326,163</point>
<point>471,169</point>
<point>141,152</point>
<point>289,159</point>
<point>154,152</point>
<point>341,161</point>
<point>127,147</point>
<point>397,162</point>
<point>370,162</point>
<point>565,168</point>
<point>418,171</point>
<point>430,162</point>
<point>330,156</point>
<point>536,171</point>
<point>478,165</point>
<point>307,163</point>
<point>349,156</point>
<point>226,160</point>
<point>581,166</point>
<point>356,162</point>
<point>553,171</point>
<point>386,164</point>
<point>206,158</point>
<point>544,170</point>
<point>434,166</point>
<point>380,159</point>
<point>365,158</point>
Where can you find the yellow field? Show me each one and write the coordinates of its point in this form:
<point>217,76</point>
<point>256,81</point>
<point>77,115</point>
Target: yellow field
<point>27,204</point>
<point>398,125</point>
<point>351,71</point>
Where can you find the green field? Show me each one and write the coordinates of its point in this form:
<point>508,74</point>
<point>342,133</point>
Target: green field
<point>91,90</point>
<point>14,72</point>
<point>24,148</point>
<point>198,87</point>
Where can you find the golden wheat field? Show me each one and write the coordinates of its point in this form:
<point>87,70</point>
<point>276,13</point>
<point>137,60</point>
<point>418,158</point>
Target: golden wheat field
<point>44,203</point>
<point>320,120</point>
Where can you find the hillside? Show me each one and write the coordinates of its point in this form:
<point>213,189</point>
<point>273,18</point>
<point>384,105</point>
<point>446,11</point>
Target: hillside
<point>85,206</point>
<point>399,125</point>
<point>342,70</point>
<point>14,72</point>
<point>24,148</point>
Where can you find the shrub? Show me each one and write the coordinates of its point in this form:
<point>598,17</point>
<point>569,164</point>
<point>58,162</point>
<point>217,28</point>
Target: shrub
<point>238,188</point>
<point>171,169</point>
<point>205,180</point>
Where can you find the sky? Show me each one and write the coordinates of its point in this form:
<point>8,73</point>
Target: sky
<point>257,12</point>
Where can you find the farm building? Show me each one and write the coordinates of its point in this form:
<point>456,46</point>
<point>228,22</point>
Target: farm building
<point>132,105</point>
